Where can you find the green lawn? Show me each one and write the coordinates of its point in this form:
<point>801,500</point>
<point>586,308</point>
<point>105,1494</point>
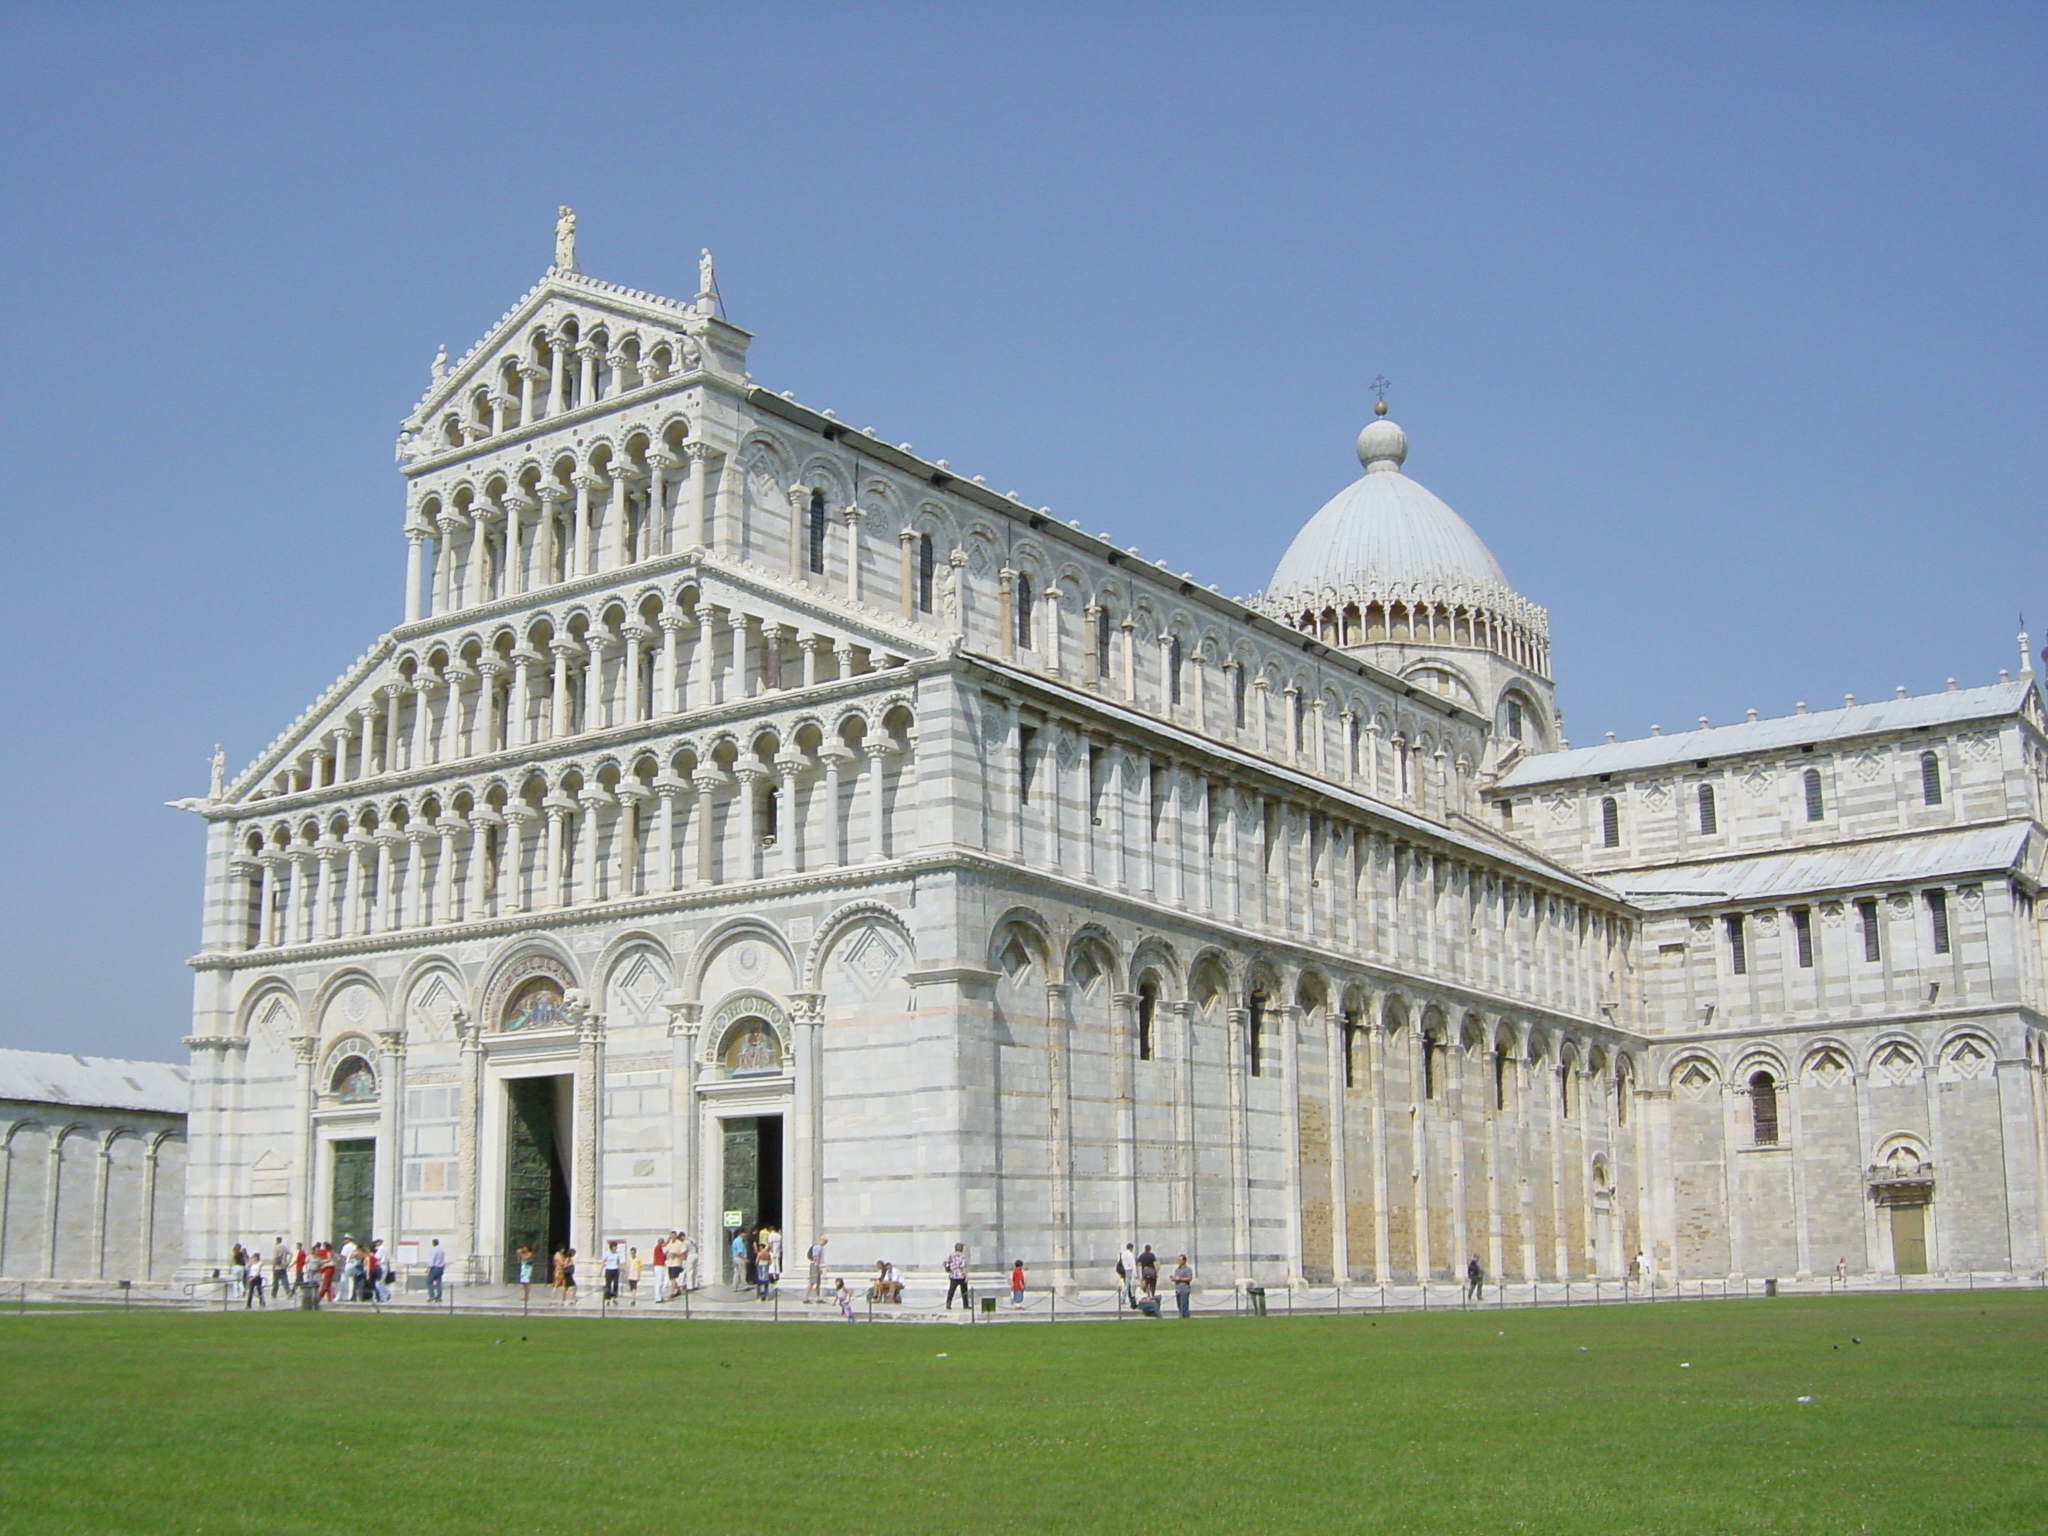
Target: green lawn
<point>1551,1422</point>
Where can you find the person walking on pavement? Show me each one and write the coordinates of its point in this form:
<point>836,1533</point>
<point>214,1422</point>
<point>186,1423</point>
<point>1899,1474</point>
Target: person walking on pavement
<point>280,1269</point>
<point>1475,1280</point>
<point>1017,1284</point>
<point>437,1270</point>
<point>1127,1273</point>
<point>815,1291</point>
<point>956,1277</point>
<point>1183,1280</point>
<point>1148,1272</point>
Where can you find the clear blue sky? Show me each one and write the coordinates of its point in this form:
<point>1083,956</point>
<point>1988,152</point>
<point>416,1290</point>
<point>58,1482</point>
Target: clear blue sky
<point>1722,324</point>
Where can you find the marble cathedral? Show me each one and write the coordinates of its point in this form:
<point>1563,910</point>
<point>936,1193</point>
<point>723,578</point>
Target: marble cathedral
<point>755,820</point>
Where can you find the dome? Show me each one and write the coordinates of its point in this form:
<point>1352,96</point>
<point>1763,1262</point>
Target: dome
<point>1382,533</point>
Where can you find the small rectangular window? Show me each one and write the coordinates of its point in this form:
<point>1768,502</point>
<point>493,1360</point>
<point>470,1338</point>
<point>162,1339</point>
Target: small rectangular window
<point>1027,761</point>
<point>1816,806</point>
<point>1710,822</point>
<point>1507,812</point>
<point>1937,914</point>
<point>1930,779</point>
<point>1866,918</point>
<point>1738,946</point>
<point>1802,936</point>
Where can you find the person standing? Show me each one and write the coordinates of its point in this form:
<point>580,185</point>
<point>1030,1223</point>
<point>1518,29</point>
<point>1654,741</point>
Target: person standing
<point>633,1276</point>
<point>956,1277</point>
<point>1183,1280</point>
<point>252,1282</point>
<point>1127,1273</point>
<point>380,1271</point>
<point>614,1262</point>
<point>682,1259</point>
<point>1148,1272</point>
<point>526,1272</point>
<point>815,1291</point>
<point>1475,1279</point>
<point>1017,1283</point>
<point>437,1270</point>
<point>764,1266</point>
<point>298,1267</point>
<point>280,1269</point>
<point>742,1257</point>
<point>325,1254</point>
<point>568,1277</point>
<point>661,1269</point>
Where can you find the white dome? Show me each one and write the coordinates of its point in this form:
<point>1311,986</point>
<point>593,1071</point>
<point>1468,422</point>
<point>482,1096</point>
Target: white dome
<point>1382,532</point>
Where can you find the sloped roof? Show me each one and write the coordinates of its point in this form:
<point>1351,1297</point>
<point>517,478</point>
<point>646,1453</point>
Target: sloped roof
<point>93,1082</point>
<point>1887,715</point>
<point>1891,861</point>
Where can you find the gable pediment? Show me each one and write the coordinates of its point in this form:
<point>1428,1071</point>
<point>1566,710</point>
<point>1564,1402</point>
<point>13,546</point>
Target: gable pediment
<point>569,341</point>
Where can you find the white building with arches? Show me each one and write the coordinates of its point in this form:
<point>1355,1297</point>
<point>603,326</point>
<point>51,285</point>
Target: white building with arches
<point>752,819</point>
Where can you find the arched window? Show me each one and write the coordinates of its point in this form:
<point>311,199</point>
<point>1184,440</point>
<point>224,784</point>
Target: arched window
<point>1237,687</point>
<point>1024,598</point>
<point>927,567</point>
<point>1763,1110</point>
<point>1500,1077</point>
<point>1255,1034</point>
<point>1610,822</point>
<point>817,533</point>
<point>1816,806</point>
<point>771,814</point>
<point>1148,1009</point>
<point>1352,1034</point>
<point>1710,821</point>
<point>1565,1073</point>
<point>1102,628</point>
<point>1430,1047</point>
<point>1173,670</point>
<point>1930,779</point>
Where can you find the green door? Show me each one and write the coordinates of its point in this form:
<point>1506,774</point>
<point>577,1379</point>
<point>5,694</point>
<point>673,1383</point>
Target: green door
<point>1909,1239</point>
<point>355,1190</point>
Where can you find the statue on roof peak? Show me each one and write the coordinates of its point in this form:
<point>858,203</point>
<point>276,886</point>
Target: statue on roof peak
<point>565,239</point>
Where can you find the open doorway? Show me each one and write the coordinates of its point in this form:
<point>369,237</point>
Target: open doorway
<point>539,1113</point>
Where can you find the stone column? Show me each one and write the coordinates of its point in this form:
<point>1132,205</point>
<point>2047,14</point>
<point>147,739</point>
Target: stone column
<point>811,645</point>
<point>853,585</point>
<point>747,818</point>
<point>512,874</point>
<point>558,712</point>
<point>414,570</point>
<point>589,833</point>
<point>487,735</point>
<point>1130,660</point>
<point>485,573</point>
<point>807,1137</point>
<point>1336,1024</point>
<point>1123,1074</point>
<point>699,457</point>
<point>1376,1107</point>
<point>632,798</point>
<point>476,904</point>
<point>468,1139</point>
<point>550,558</point>
<point>742,673</point>
<point>587,1215</point>
<point>1287,1017</point>
<point>447,825</point>
<point>668,677</point>
<point>553,874</point>
<point>1059,1111</point>
<point>684,1018</point>
<point>416,834</point>
<point>444,560</point>
<point>385,904</point>
<point>658,530</point>
<point>600,704</point>
<point>582,559</point>
<point>836,759</point>
<point>878,807</point>
<point>704,689</point>
<point>669,788</point>
<point>1240,1213</point>
<point>709,782</point>
<point>326,891</point>
<point>390,1131</point>
<point>906,544</point>
<point>789,859</point>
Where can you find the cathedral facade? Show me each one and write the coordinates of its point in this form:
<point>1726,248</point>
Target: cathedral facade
<point>752,820</point>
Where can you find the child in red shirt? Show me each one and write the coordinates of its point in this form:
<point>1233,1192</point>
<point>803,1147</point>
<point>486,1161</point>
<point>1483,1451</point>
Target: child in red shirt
<point>1017,1284</point>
